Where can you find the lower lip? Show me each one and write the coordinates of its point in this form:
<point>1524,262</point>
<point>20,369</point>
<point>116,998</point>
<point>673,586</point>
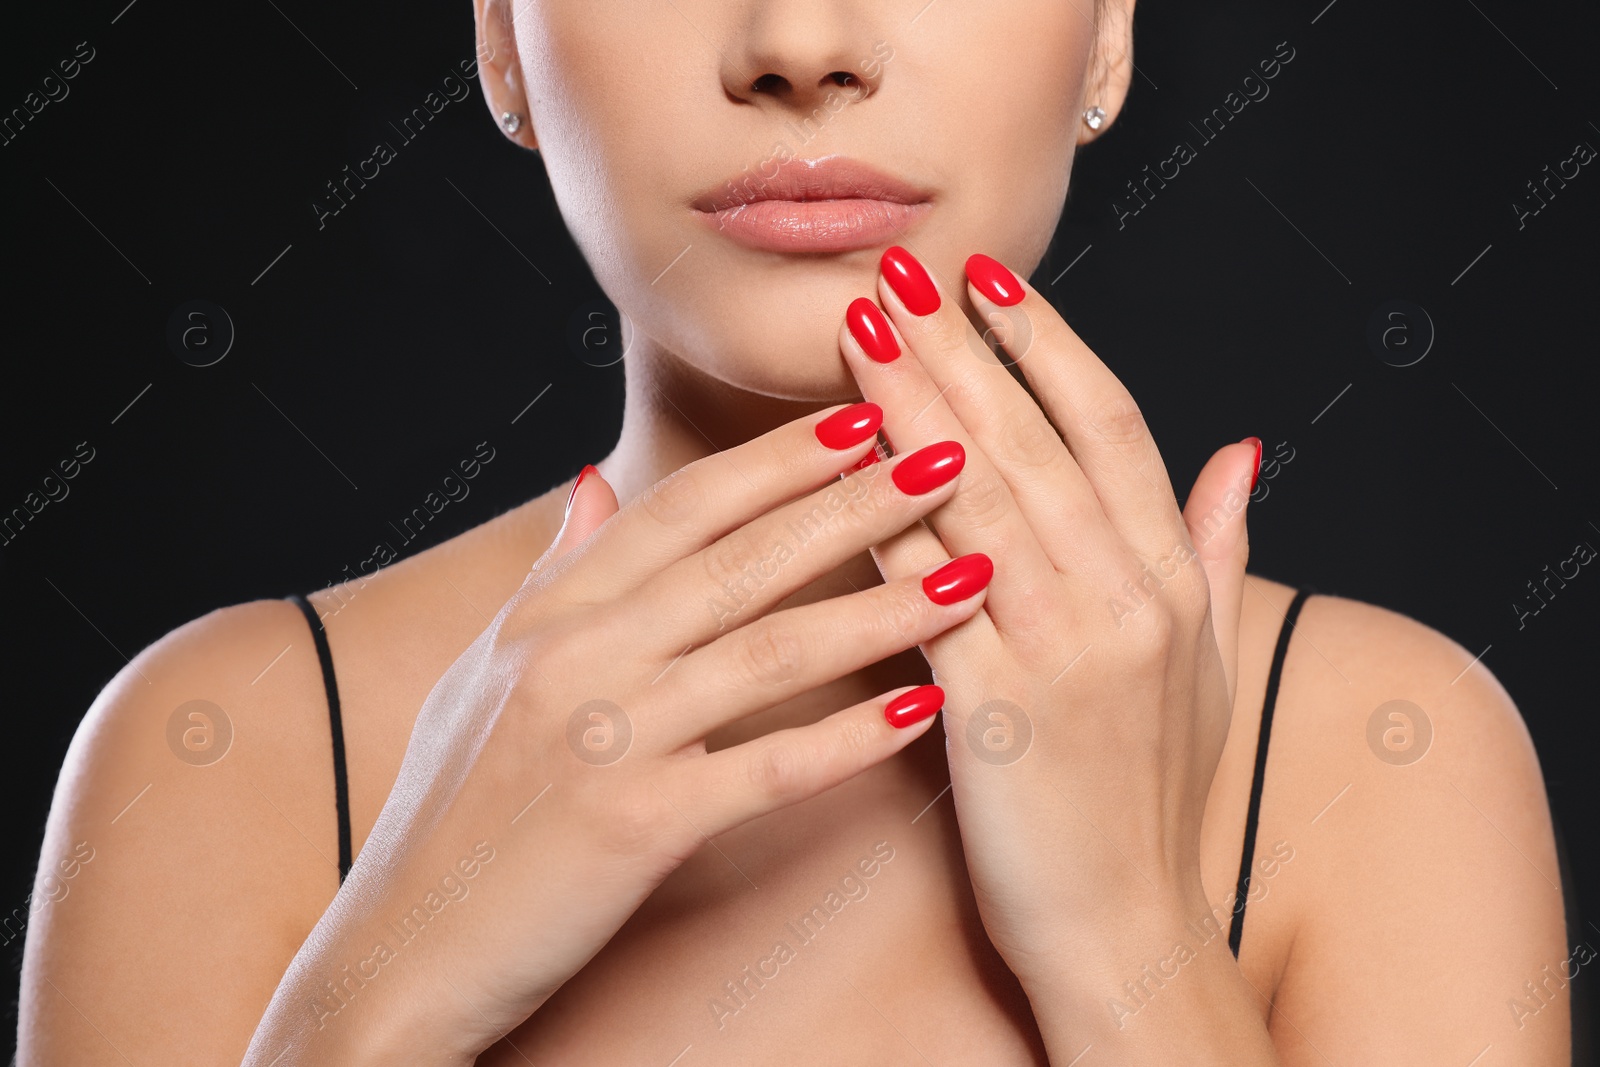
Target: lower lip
<point>815,225</point>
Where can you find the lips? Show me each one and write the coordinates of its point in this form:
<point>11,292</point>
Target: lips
<point>825,205</point>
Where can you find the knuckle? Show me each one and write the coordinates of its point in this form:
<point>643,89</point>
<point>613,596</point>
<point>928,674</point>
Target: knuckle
<point>1029,443</point>
<point>677,499</point>
<point>1119,420</point>
<point>906,609</point>
<point>727,558</point>
<point>980,503</point>
<point>854,738</point>
<point>781,773</point>
<point>792,461</point>
<point>1150,629</point>
<point>771,654</point>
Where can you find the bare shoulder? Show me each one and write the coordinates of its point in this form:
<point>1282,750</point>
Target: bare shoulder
<point>192,840</point>
<point>189,847</point>
<point>1404,784</point>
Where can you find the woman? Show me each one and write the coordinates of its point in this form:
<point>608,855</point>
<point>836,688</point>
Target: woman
<point>674,794</point>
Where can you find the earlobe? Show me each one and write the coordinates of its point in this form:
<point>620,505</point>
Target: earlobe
<point>499,70</point>
<point>1110,68</point>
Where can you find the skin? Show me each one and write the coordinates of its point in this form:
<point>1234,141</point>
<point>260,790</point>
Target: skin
<point>1415,900</point>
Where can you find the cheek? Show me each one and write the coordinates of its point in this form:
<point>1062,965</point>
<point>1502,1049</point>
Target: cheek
<point>601,81</point>
<point>1016,110</point>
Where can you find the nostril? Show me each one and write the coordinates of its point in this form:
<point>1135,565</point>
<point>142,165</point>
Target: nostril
<point>769,83</point>
<point>843,78</point>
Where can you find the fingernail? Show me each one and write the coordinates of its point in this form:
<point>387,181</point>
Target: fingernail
<point>962,577</point>
<point>871,330</point>
<point>849,426</point>
<point>994,281</point>
<point>928,468</point>
<point>869,459</point>
<point>588,469</point>
<point>1256,471</point>
<point>909,281</point>
<point>912,706</point>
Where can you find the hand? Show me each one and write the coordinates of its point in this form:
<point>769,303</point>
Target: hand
<point>1088,703</point>
<point>558,771</point>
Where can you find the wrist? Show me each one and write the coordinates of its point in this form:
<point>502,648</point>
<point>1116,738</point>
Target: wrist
<point>332,1008</point>
<point>1147,982</point>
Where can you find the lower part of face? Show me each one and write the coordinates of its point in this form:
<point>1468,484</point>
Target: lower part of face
<point>643,108</point>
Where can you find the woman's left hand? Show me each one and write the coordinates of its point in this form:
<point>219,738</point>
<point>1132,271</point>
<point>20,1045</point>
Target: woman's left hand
<point>1088,702</point>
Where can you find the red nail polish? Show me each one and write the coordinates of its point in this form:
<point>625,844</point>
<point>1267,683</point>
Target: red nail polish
<point>868,460</point>
<point>849,426</point>
<point>994,281</point>
<point>588,469</point>
<point>928,468</point>
<point>962,577</point>
<point>912,706</point>
<point>871,330</point>
<point>909,281</point>
<point>1256,471</point>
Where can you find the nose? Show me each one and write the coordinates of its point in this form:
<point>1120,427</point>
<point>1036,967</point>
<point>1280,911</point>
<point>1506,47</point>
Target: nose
<point>798,56</point>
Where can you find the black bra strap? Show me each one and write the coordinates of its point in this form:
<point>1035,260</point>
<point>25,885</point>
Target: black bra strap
<point>341,784</point>
<point>1242,891</point>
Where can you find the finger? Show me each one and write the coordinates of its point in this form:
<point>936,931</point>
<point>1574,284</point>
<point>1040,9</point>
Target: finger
<point>742,575</point>
<point>1215,518</point>
<point>728,788</point>
<point>1102,425</point>
<point>1053,496</point>
<point>794,651</point>
<point>692,507</point>
<point>982,516</point>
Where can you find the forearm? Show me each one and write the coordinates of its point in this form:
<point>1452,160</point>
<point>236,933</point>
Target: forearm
<point>1156,989</point>
<point>323,1012</point>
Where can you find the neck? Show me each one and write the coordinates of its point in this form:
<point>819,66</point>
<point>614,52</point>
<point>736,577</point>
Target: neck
<point>676,414</point>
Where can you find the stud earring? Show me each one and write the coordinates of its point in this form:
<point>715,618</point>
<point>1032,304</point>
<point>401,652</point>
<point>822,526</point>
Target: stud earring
<point>511,121</point>
<point>1095,117</point>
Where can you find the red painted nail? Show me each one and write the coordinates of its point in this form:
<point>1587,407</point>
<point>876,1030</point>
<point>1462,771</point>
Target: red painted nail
<point>849,426</point>
<point>928,468</point>
<point>909,281</point>
<point>912,706</point>
<point>588,469</point>
<point>994,281</point>
<point>871,330</point>
<point>962,577</point>
<point>1256,471</point>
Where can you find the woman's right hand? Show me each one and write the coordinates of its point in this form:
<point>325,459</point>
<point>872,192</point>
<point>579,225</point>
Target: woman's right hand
<point>558,771</point>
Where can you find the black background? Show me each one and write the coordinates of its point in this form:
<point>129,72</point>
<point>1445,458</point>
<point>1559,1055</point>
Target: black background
<point>428,314</point>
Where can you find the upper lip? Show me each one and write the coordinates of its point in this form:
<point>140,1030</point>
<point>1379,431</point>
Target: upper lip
<point>829,178</point>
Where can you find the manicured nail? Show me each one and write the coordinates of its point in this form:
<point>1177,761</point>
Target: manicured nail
<point>962,577</point>
<point>994,281</point>
<point>868,460</point>
<point>928,468</point>
<point>1256,471</point>
<point>849,426</point>
<point>871,330</point>
<point>912,706</point>
<point>910,282</point>
<point>588,469</point>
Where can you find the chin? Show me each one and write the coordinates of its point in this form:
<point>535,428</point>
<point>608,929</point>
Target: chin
<point>782,343</point>
<point>806,367</point>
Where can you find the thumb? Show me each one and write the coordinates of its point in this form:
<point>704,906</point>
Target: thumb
<point>1215,517</point>
<point>590,503</point>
